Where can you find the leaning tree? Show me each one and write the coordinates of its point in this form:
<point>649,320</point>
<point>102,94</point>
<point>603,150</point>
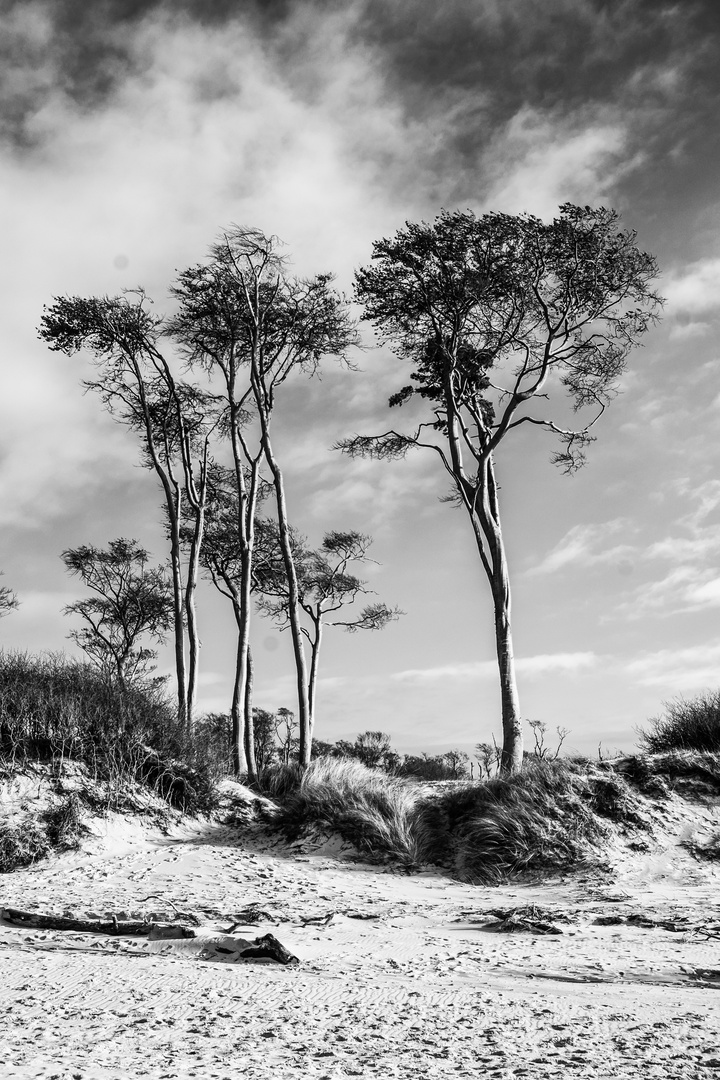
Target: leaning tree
<point>498,316</point>
<point>174,421</point>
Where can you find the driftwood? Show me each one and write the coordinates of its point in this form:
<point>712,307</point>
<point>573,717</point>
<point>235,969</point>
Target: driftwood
<point>87,926</point>
<point>266,947</point>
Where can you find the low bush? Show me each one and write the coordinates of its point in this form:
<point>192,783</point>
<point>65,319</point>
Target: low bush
<point>539,819</point>
<point>63,823</point>
<point>688,724</point>
<point>22,843</point>
<point>372,810</point>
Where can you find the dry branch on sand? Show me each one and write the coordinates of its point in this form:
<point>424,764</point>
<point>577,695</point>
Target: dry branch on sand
<point>266,947</point>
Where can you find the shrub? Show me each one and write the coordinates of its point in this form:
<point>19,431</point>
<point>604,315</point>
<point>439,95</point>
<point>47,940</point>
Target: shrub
<point>21,844</point>
<point>63,823</point>
<point>538,819</point>
<point>688,724</point>
<point>372,810</point>
<point>55,707</point>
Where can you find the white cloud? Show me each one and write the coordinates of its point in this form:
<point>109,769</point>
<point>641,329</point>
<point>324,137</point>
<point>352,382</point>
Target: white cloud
<point>542,664</point>
<point>541,160</point>
<point>587,545</point>
<point>678,669</point>
<point>693,290</point>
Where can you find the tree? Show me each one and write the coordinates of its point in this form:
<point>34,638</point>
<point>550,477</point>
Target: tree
<point>324,585</point>
<point>241,315</point>
<point>8,600</point>
<point>495,313</point>
<point>130,600</point>
<point>174,420</point>
<point>225,555</point>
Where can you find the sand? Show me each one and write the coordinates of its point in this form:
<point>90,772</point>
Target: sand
<point>400,975</point>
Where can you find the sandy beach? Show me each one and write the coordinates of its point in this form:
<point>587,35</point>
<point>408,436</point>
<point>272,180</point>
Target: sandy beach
<point>399,975</point>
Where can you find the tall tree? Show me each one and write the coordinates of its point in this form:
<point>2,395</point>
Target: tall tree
<point>242,315</point>
<point>129,601</point>
<point>495,314</point>
<point>325,585</point>
<point>174,420</point>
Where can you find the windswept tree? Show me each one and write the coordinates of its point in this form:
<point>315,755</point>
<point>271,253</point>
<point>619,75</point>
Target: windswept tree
<point>130,601</point>
<point>8,600</point>
<point>499,317</point>
<point>325,585</point>
<point>242,317</point>
<point>174,421</point>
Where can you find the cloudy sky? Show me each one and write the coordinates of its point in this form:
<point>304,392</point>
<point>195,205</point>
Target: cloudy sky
<point>132,131</point>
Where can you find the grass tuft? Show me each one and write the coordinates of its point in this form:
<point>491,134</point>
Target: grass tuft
<point>372,810</point>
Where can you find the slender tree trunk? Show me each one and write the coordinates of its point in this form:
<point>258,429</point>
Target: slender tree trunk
<point>191,614</point>
<point>304,716</point>
<point>178,598</point>
<point>252,772</point>
<point>492,550</point>
<point>237,709</point>
<point>314,665</point>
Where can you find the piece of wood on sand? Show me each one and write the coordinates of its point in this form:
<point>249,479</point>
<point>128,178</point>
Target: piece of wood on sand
<point>227,946</point>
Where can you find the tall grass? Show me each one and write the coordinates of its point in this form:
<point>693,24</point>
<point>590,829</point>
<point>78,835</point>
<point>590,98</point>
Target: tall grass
<point>547,817</point>
<point>53,707</point>
<point>552,815</point>
<point>688,724</point>
<point>372,810</point>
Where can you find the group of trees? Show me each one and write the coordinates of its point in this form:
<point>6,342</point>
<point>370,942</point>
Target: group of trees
<point>492,313</point>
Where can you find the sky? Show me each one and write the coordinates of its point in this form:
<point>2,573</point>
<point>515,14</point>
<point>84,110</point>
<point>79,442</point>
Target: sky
<point>132,132</point>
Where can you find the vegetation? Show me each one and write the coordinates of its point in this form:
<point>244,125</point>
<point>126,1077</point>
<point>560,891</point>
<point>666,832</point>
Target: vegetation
<point>688,724</point>
<point>53,708</point>
<point>8,600</point>
<point>495,315</point>
<point>128,601</point>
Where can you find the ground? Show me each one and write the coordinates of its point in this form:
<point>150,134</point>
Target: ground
<point>399,975</point>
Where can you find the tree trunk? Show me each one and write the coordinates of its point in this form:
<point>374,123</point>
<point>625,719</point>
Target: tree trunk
<point>314,665</point>
<point>488,533</point>
<point>252,773</point>
<point>237,709</point>
<point>178,621</point>
<point>304,717</point>
<point>191,614</point>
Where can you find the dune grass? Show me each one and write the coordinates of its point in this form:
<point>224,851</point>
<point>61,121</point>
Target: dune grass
<point>554,815</point>
<point>372,810</point>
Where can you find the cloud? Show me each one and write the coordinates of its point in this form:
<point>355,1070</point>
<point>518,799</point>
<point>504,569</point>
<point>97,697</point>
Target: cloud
<point>539,161</point>
<point>531,666</point>
<point>586,545</point>
<point>693,297</point>
<point>678,669</point>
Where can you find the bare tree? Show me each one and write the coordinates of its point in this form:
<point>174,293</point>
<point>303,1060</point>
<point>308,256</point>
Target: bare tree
<point>175,422</point>
<point>241,315</point>
<point>129,601</point>
<point>494,313</point>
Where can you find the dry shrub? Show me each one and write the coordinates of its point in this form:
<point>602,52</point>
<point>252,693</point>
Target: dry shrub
<point>688,724</point>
